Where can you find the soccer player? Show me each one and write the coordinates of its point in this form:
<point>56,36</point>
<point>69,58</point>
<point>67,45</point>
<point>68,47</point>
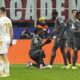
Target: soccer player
<point>42,26</point>
<point>36,52</point>
<point>59,39</point>
<point>6,36</point>
<point>69,38</point>
<point>76,40</point>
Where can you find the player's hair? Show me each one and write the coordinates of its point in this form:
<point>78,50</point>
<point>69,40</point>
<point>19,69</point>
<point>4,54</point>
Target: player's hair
<point>3,9</point>
<point>78,13</point>
<point>74,10</point>
<point>55,12</point>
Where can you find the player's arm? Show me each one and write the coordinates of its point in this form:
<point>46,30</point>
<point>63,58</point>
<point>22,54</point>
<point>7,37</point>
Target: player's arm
<point>11,33</point>
<point>77,26</point>
<point>62,23</point>
<point>64,29</point>
<point>42,44</point>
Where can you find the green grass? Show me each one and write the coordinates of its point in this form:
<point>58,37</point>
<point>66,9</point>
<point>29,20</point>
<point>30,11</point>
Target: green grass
<point>19,72</point>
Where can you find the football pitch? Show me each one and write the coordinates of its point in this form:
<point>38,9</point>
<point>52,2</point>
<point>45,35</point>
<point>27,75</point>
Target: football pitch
<point>19,72</point>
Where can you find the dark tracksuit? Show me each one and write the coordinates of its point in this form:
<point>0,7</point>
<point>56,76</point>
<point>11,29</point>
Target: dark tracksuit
<point>69,37</point>
<point>36,53</point>
<point>60,27</point>
<point>76,40</point>
<point>72,38</point>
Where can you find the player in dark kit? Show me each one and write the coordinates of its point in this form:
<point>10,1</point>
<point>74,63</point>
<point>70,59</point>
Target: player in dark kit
<point>59,38</point>
<point>36,52</point>
<point>76,40</point>
<point>69,36</point>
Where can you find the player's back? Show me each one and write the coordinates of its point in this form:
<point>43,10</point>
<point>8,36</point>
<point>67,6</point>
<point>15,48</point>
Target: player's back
<point>5,25</point>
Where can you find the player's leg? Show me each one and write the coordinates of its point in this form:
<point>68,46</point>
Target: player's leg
<point>1,60</point>
<point>68,48</point>
<point>1,65</point>
<point>55,47</point>
<point>53,55</point>
<point>74,59</point>
<point>6,65</point>
<point>40,57</point>
<point>69,56</point>
<point>75,54</point>
<point>77,64</point>
<point>33,57</point>
<point>37,56</point>
<point>62,48</point>
<point>34,64</point>
<point>4,51</point>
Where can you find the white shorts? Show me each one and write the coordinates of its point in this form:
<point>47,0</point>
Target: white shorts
<point>4,48</point>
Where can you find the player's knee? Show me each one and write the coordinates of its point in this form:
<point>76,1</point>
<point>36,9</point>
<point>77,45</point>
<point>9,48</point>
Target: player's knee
<point>5,58</point>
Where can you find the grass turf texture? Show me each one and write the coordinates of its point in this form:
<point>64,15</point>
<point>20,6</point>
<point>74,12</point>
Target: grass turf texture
<point>19,72</point>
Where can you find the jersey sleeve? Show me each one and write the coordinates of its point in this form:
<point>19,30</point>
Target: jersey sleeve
<point>60,20</point>
<point>77,24</point>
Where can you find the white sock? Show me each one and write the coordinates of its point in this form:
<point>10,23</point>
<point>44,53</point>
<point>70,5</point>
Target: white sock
<point>1,66</point>
<point>6,68</point>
